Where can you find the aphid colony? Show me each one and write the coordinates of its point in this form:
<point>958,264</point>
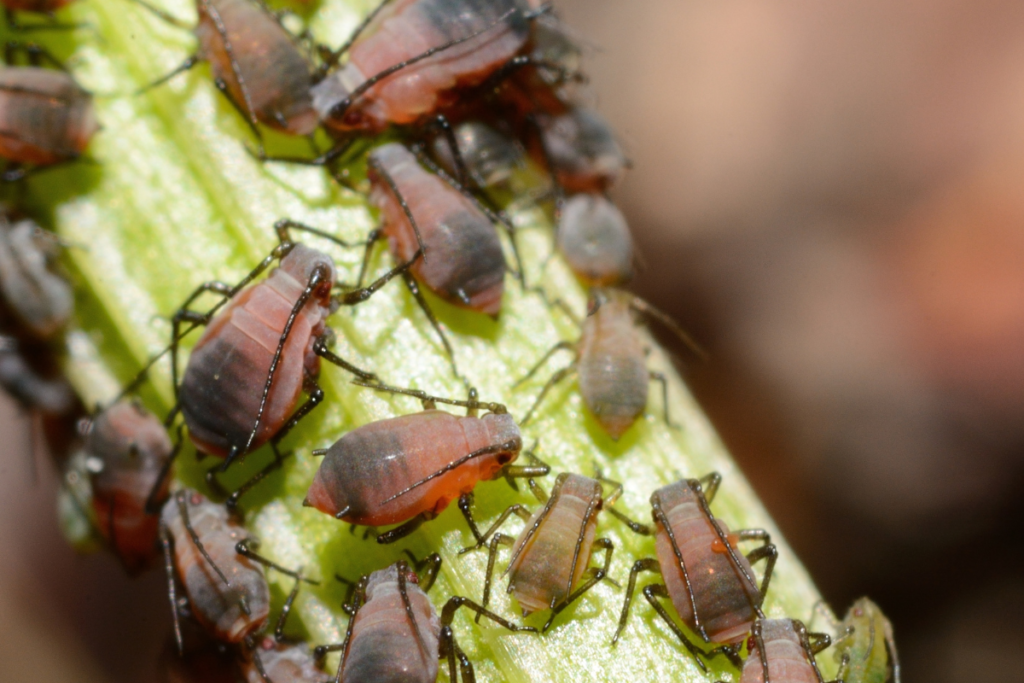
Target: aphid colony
<point>471,93</point>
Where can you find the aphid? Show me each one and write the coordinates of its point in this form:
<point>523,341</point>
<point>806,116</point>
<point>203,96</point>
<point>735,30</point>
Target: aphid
<point>580,150</point>
<point>38,297</point>
<point>611,361</point>
<point>128,454</point>
<point>552,553</point>
<point>782,651</point>
<point>395,633</point>
<point>406,470</point>
<point>211,555</point>
<point>595,240</point>
<point>46,118</point>
<point>261,349</point>
<point>410,58</point>
<point>488,157</point>
<point>256,63</point>
<point>710,584</point>
<point>864,646</point>
<point>462,258</point>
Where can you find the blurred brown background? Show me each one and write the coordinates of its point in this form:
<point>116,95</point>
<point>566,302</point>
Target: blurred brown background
<point>828,195</point>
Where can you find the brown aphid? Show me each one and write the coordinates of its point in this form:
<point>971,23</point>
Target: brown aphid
<point>407,469</point>
<point>611,361</point>
<point>46,119</point>
<point>227,591</point>
<point>128,454</point>
<point>595,240</point>
<point>261,349</point>
<point>710,584</point>
<point>463,261</point>
<point>782,651</point>
<point>395,633</point>
<point>39,298</point>
<point>256,63</point>
<point>580,150</point>
<point>411,58</point>
<point>552,554</point>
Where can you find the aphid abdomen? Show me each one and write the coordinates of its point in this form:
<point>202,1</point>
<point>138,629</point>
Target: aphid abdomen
<point>379,460</point>
<point>384,647</point>
<point>613,376</point>
<point>583,150</point>
<point>490,157</point>
<point>595,240</point>
<point>540,576</point>
<point>228,369</point>
<point>407,29</point>
<point>41,299</point>
<point>464,263</point>
<point>724,598</point>
<point>276,75</point>
<point>787,661</point>
<point>129,447</point>
<point>45,117</point>
<point>215,605</point>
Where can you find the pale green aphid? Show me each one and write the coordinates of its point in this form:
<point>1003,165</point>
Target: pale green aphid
<point>864,648</point>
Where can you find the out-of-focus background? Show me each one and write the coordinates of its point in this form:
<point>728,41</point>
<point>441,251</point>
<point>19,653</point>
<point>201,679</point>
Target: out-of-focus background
<point>828,195</point>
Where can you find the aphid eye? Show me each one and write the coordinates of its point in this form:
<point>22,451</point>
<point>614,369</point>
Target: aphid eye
<point>504,458</point>
<point>353,118</point>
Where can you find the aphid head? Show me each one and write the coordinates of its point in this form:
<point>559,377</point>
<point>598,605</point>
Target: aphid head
<point>333,99</point>
<point>306,264</point>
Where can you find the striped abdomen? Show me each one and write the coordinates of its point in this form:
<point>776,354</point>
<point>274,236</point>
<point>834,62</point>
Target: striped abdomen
<point>45,117</point>
<point>384,646</point>
<point>542,574</point>
<point>377,461</point>
<point>464,263</point>
<point>277,77</point>
<point>725,598</point>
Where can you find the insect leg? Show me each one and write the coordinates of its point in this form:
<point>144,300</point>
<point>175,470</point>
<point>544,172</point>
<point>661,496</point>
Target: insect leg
<point>597,574</point>
<point>403,530</point>
<point>165,541</point>
<point>657,590</point>
<point>538,468</point>
<point>660,377</point>
<point>432,564</point>
<point>180,69</point>
<point>492,555</point>
<point>245,111</point>
<point>812,643</point>
<point>245,548</point>
<point>555,379</point>
<point>286,609</point>
<point>567,345</point>
<point>232,501</point>
<point>518,510</point>
<point>454,603</point>
<point>414,289</point>
<point>153,505</point>
<point>316,396</point>
<point>371,240</point>
<point>648,564</point>
<point>320,349</point>
<point>709,485</point>
<point>320,651</point>
<point>429,399</point>
<point>357,296</point>
<point>768,552</point>
<point>461,171</point>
